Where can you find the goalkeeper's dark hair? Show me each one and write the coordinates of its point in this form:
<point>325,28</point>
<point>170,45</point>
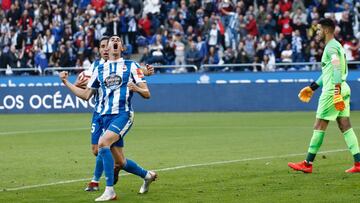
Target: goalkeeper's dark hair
<point>328,23</point>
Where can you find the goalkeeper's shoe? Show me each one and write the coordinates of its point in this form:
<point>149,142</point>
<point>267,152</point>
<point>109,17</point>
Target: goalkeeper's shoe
<point>354,169</point>
<point>301,166</point>
<point>149,178</point>
<point>116,174</point>
<point>92,186</point>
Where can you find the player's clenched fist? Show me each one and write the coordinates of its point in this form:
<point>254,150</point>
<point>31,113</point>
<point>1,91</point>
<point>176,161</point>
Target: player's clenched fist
<point>305,94</point>
<point>149,70</point>
<point>63,75</point>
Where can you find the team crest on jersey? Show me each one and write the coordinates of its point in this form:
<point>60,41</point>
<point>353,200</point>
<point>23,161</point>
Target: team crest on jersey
<point>113,81</point>
<point>124,68</point>
<point>140,73</point>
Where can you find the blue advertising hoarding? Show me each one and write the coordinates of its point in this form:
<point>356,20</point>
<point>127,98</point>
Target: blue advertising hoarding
<point>182,93</point>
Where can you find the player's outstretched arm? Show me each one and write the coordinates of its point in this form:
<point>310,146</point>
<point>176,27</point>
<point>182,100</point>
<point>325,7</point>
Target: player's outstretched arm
<point>140,88</point>
<point>81,93</point>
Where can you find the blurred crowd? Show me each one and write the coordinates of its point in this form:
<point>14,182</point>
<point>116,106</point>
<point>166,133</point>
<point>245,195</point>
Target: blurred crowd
<point>65,33</point>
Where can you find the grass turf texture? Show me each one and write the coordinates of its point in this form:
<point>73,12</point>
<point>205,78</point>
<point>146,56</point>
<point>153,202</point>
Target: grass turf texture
<point>41,149</point>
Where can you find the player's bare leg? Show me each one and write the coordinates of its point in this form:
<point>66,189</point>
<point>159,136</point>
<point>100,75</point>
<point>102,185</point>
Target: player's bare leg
<point>351,141</point>
<point>315,144</point>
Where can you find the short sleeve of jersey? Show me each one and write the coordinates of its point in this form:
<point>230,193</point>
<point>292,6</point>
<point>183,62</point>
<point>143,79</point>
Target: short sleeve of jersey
<point>333,50</point>
<point>136,73</point>
<point>94,82</point>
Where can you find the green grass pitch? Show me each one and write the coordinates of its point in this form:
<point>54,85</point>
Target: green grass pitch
<point>201,157</point>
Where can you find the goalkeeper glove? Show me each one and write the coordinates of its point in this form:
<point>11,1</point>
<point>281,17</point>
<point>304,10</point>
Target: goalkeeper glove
<point>306,93</point>
<point>338,99</point>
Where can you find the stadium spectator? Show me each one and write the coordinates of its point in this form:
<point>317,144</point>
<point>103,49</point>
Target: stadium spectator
<point>223,24</point>
<point>285,5</point>
<point>193,55</point>
<point>179,47</point>
<point>146,57</point>
<point>285,24</point>
<point>212,58</point>
<point>251,26</point>
<point>286,55</point>
<point>47,44</point>
<point>214,36</point>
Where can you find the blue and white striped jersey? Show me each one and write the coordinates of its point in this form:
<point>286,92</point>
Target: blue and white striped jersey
<point>111,79</point>
<point>91,70</point>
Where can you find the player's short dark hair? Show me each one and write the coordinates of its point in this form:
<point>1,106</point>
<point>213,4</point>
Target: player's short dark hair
<point>104,38</point>
<point>328,23</point>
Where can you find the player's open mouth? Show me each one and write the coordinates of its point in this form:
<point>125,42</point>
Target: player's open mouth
<point>115,46</point>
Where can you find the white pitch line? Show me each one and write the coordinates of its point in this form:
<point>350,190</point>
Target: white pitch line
<point>158,127</point>
<point>175,168</point>
<point>42,131</point>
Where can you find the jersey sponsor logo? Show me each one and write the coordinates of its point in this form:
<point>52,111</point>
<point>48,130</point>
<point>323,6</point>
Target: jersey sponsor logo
<point>140,73</point>
<point>113,81</point>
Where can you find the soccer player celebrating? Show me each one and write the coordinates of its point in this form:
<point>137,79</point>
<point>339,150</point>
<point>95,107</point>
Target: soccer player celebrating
<point>116,80</point>
<point>334,102</point>
<point>96,124</point>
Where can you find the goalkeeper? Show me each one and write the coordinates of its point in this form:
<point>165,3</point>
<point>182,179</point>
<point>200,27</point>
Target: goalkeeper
<point>334,102</point>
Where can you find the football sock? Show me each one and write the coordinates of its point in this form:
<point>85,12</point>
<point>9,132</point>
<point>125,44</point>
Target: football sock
<point>108,162</point>
<point>99,167</point>
<point>352,143</point>
<point>315,144</point>
<point>132,167</point>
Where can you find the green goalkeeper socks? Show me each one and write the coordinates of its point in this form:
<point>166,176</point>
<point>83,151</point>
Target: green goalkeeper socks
<point>352,143</point>
<point>315,144</point>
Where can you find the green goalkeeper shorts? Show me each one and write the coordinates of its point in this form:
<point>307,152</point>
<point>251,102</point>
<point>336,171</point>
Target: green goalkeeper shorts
<point>326,108</point>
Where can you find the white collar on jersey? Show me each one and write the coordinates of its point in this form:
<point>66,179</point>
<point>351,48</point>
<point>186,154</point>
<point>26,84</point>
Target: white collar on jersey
<point>117,60</point>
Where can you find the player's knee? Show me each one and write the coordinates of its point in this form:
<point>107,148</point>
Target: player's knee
<point>344,127</point>
<point>320,125</point>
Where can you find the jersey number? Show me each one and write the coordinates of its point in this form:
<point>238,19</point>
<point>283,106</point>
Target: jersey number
<point>93,126</point>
